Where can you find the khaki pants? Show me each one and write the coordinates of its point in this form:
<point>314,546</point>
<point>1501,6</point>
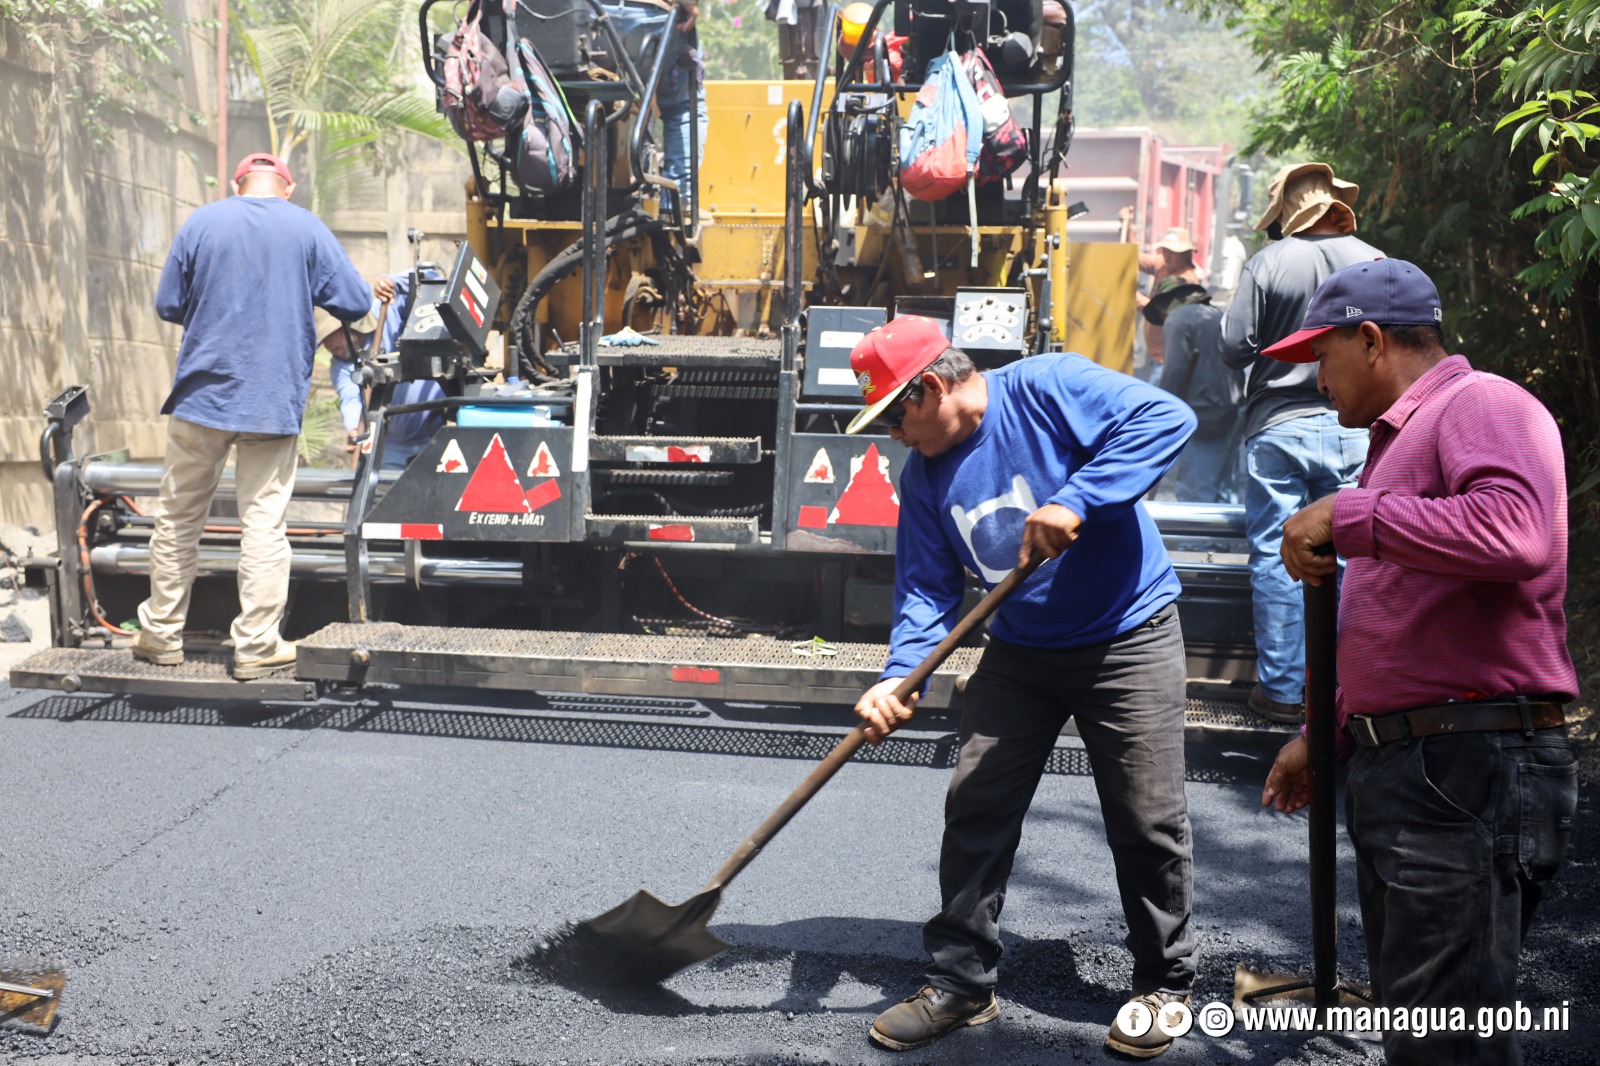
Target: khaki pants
<point>264,469</point>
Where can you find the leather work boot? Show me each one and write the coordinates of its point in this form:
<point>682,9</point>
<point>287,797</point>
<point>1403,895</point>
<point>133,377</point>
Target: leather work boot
<point>1152,1041</point>
<point>250,669</point>
<point>927,1016</point>
<point>1273,710</point>
<point>144,650</point>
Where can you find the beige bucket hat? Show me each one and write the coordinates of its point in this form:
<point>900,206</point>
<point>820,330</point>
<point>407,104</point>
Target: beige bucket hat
<point>1302,193</point>
<point>1177,239</point>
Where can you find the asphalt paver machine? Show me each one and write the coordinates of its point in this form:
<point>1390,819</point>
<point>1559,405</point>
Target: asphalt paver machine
<point>641,486</point>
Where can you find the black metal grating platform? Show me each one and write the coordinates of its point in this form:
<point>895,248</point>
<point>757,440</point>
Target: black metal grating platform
<point>200,676</point>
<point>760,668</point>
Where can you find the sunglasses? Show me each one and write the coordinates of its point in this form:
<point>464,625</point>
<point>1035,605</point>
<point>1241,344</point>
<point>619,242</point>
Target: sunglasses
<point>894,414</point>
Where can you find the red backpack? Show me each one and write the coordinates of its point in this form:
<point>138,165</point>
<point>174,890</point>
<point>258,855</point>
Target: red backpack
<point>1005,146</point>
<point>939,142</point>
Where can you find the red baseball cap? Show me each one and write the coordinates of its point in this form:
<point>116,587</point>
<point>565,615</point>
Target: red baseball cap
<point>262,161</point>
<point>888,359</point>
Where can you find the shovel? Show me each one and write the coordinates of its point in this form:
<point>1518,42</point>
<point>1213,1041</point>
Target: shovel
<point>646,939</point>
<point>30,992</point>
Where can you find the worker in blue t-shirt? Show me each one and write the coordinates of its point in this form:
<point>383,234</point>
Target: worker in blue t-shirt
<point>242,279</point>
<point>1049,454</point>
<point>406,434</point>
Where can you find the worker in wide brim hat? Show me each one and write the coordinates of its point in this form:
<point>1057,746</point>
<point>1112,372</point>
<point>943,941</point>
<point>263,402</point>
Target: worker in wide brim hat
<point>1295,449</point>
<point>1171,260</point>
<point>1050,454</point>
<point>1301,194</point>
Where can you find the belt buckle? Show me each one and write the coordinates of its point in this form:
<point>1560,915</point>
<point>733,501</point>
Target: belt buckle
<point>1364,730</point>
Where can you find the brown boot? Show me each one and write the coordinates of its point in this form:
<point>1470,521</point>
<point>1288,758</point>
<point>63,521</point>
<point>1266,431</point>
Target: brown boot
<point>927,1016</point>
<point>1275,710</point>
<point>1150,1041</point>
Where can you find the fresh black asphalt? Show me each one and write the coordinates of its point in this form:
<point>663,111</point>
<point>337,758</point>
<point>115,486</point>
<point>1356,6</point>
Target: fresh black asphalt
<point>351,882</point>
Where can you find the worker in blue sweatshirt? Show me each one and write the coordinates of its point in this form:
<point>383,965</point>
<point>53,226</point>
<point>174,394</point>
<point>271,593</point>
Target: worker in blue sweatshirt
<point>1049,454</point>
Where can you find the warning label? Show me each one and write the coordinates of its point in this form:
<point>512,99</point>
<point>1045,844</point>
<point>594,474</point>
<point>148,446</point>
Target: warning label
<point>452,461</point>
<point>494,488</point>
<point>869,499</point>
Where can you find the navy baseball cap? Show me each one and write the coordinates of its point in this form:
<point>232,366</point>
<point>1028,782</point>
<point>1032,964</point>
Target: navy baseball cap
<point>1390,292</point>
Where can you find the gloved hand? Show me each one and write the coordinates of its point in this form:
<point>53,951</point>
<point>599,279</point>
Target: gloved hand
<point>626,337</point>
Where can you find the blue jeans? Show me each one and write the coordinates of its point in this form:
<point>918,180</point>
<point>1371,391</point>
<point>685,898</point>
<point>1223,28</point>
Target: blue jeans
<point>1208,469</point>
<point>675,130</point>
<point>1289,466</point>
<point>1456,838</point>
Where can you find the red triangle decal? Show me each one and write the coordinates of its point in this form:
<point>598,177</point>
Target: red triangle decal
<point>869,499</point>
<point>494,487</point>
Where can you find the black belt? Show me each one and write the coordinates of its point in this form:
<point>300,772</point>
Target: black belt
<point>1482,716</point>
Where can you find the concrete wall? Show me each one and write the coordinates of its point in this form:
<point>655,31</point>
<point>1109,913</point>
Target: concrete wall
<point>85,229</point>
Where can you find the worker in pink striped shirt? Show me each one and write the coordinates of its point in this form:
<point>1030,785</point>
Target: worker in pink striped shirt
<point>1452,658</point>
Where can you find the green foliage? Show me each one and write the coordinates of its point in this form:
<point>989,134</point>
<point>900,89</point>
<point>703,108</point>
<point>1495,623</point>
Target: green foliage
<point>341,85</point>
<point>737,40</point>
<point>116,56</point>
<point>1447,112</point>
<point>1409,99</point>
<point>1555,56</point>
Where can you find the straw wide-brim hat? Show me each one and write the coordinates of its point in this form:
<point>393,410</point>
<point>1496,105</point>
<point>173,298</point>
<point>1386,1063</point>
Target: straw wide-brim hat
<point>326,324</point>
<point>1176,240</point>
<point>1306,201</point>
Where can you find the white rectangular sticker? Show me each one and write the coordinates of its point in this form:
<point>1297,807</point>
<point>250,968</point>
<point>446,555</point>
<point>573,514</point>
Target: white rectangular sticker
<point>835,375</point>
<point>774,95</point>
<point>840,338</point>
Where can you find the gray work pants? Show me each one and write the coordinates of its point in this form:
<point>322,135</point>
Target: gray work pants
<point>1127,696</point>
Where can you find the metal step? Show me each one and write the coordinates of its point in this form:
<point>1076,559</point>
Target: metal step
<point>114,670</point>
<point>668,674</point>
<point>686,450</point>
<point>759,668</point>
<point>664,478</point>
<point>674,529</point>
<point>681,351</point>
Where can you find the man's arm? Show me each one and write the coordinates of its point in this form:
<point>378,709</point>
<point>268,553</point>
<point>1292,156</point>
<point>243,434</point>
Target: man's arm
<point>349,393</point>
<point>1241,339</point>
<point>172,292</point>
<point>1500,452</point>
<point>927,579</point>
<point>338,287</point>
<point>927,593</point>
<point>1132,429</point>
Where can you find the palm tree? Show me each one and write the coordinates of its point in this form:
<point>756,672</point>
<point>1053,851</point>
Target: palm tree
<point>341,84</point>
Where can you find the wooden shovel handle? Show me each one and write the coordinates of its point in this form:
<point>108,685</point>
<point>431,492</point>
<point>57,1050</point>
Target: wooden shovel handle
<point>848,746</point>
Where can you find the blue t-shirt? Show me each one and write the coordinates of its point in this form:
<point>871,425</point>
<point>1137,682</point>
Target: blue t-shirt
<point>1057,429</point>
<point>242,278</point>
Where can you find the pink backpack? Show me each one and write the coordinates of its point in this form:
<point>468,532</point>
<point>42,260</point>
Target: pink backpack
<point>480,97</point>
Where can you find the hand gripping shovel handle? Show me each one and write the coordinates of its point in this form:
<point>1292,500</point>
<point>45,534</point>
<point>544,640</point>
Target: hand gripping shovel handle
<point>847,747</point>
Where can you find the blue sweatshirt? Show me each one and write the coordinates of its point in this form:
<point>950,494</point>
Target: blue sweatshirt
<point>413,430</point>
<point>242,278</point>
<point>1057,429</point>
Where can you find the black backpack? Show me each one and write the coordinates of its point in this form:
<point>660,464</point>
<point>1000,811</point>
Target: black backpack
<point>544,155</point>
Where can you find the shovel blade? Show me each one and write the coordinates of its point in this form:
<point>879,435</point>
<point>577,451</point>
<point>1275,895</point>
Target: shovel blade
<point>24,1011</point>
<point>652,939</point>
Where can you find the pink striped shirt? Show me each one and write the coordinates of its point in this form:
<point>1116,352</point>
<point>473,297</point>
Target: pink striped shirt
<point>1457,545</point>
